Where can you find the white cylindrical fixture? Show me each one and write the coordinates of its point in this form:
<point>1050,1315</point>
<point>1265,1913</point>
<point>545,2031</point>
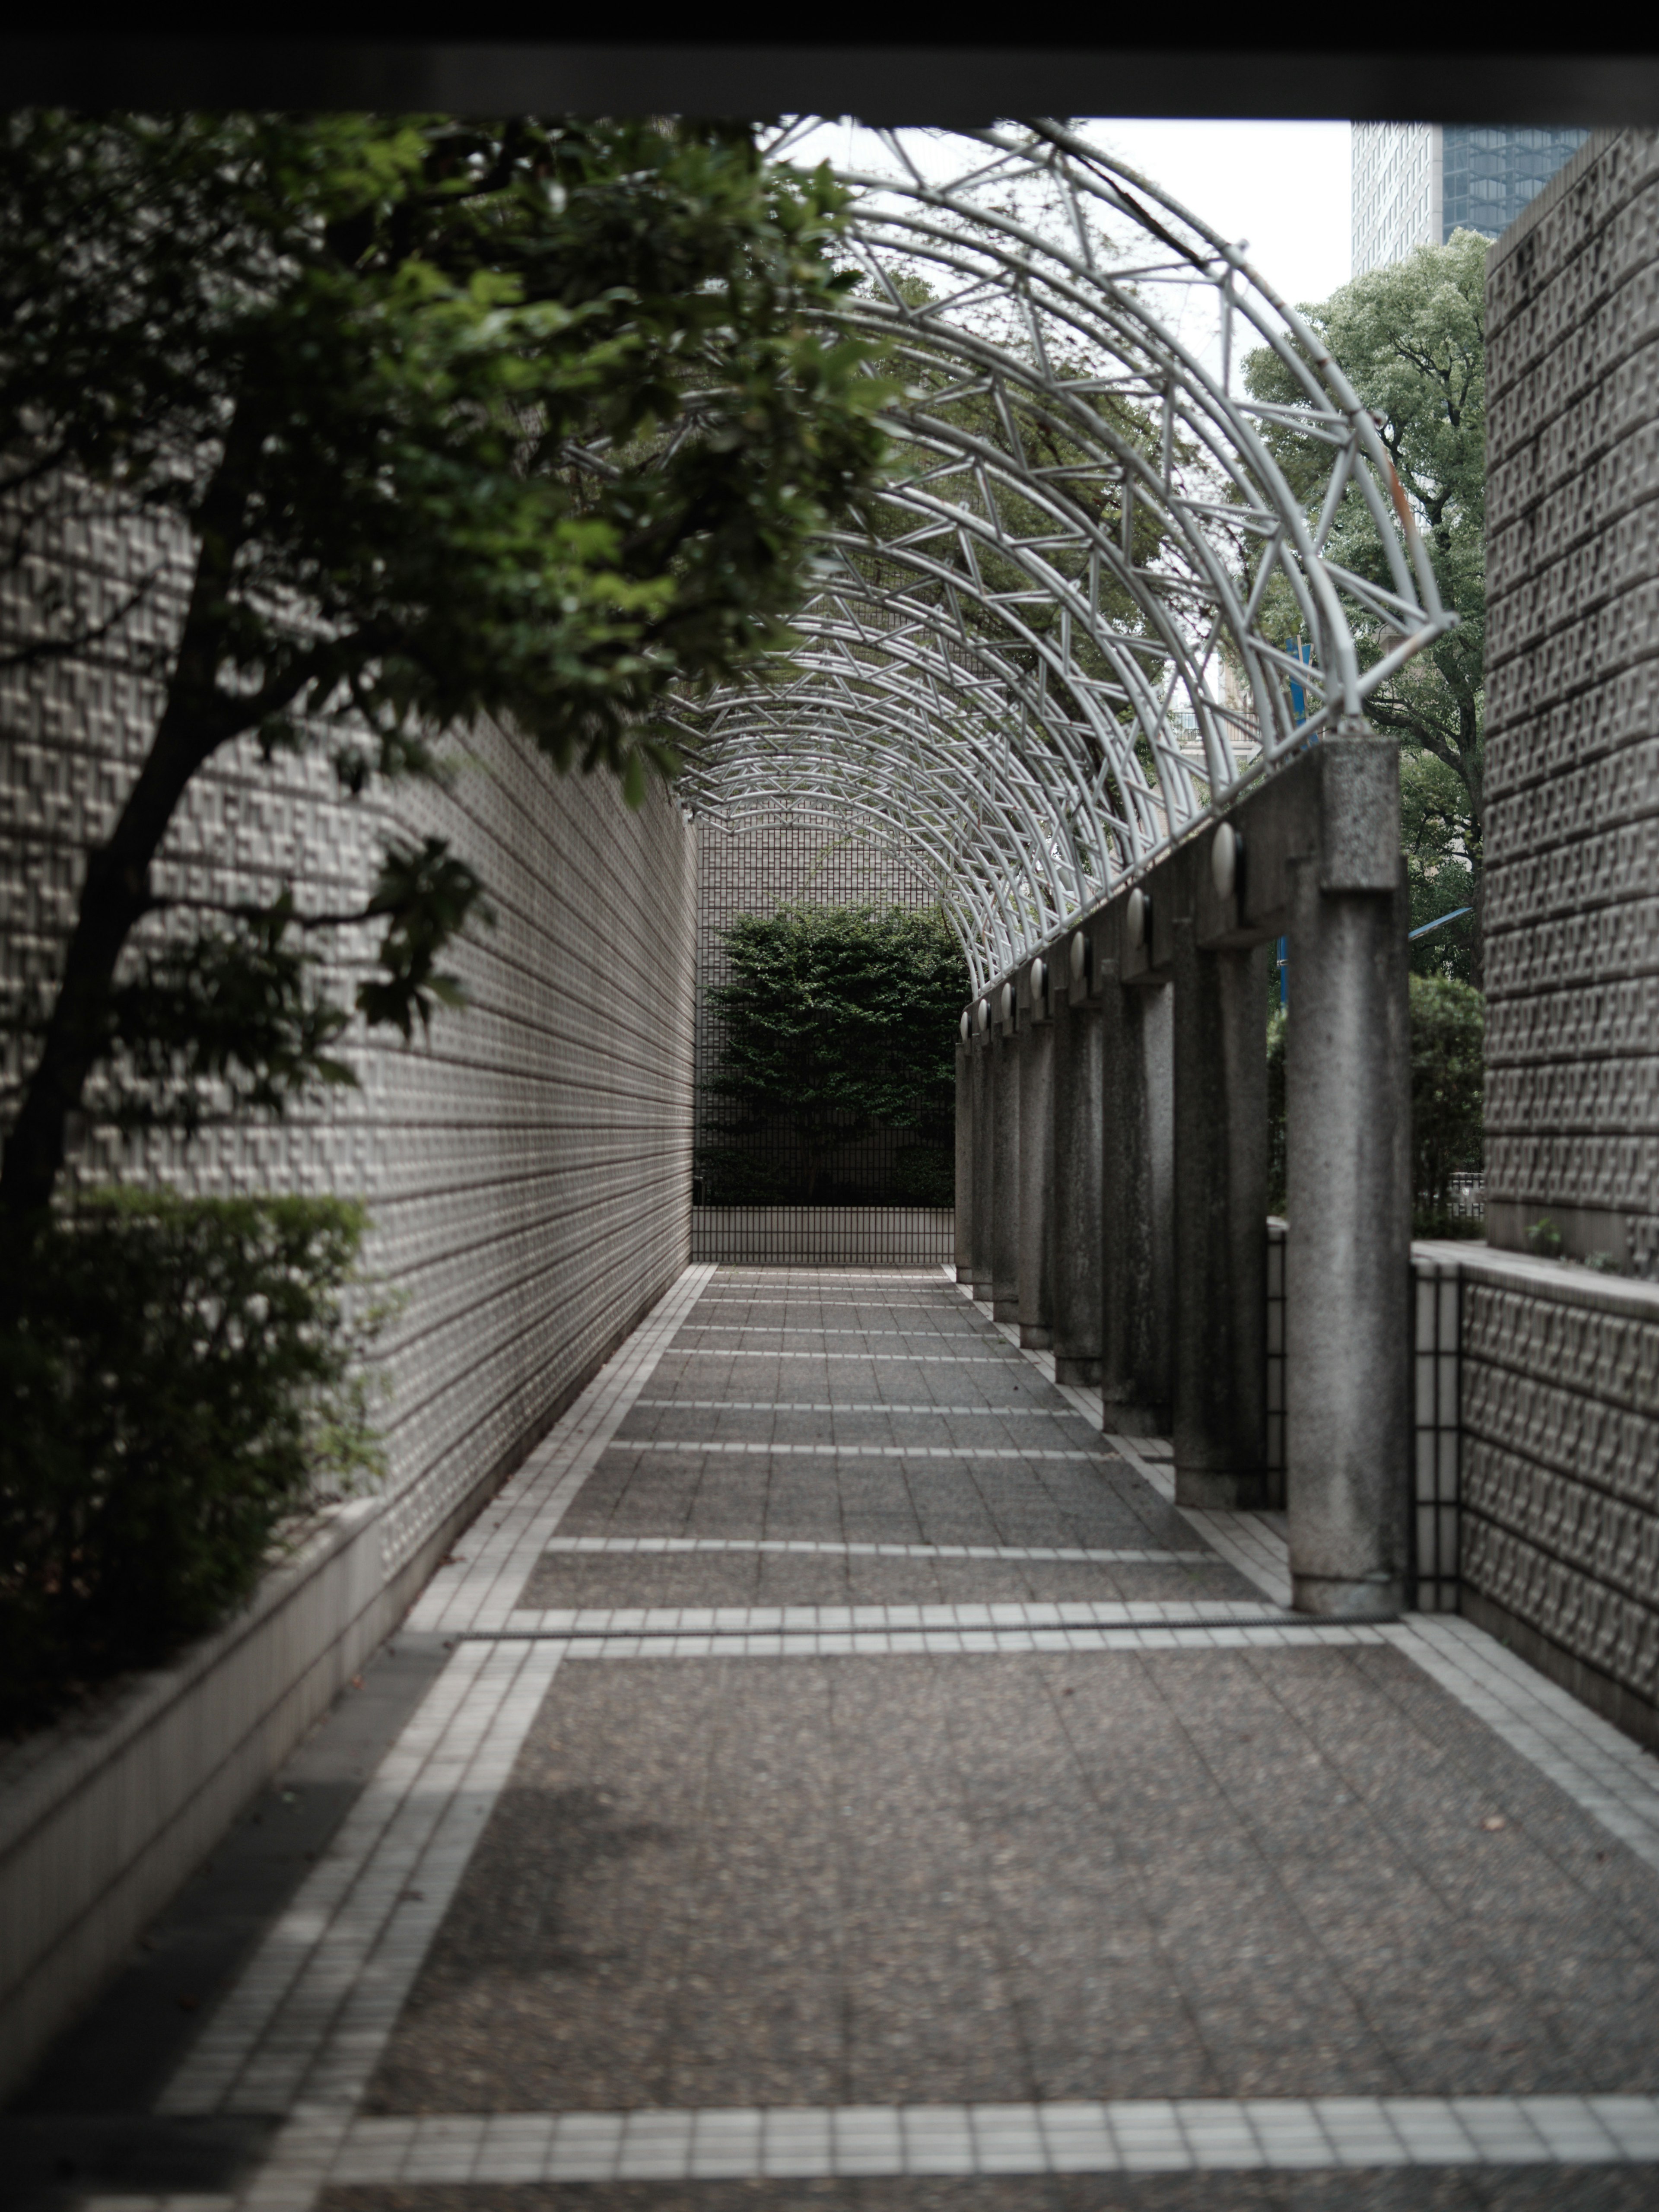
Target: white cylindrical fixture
<point>965,1026</point>
<point>1139,918</point>
<point>1224,850</point>
<point>983,1010</point>
<point>1008,1002</point>
<point>1080,956</point>
<point>1038,981</point>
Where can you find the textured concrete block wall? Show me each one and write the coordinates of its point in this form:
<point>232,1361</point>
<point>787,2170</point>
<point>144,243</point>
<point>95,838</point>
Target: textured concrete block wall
<point>1573,746</point>
<point>1559,1477</point>
<point>527,1167</point>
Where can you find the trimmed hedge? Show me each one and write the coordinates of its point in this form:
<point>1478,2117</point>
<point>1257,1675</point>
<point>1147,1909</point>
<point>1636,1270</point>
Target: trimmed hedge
<point>183,1376</point>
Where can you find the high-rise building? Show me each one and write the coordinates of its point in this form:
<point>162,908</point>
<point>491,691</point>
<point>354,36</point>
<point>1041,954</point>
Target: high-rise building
<point>1416,183</point>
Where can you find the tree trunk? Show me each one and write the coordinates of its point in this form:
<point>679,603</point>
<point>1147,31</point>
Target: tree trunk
<point>116,895</point>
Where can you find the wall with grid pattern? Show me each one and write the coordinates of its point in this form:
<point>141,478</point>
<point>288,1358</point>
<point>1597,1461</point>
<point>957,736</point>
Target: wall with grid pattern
<point>526,1167</point>
<point>1572,745</point>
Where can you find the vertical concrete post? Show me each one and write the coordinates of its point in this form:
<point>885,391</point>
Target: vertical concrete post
<point>1076,1230</point>
<point>1347,1088</point>
<point>1037,1158</point>
<point>963,1193</point>
<point>1137,1204</point>
<point>1220,1221</point>
<point>985,1109</point>
<point>1005,1158</point>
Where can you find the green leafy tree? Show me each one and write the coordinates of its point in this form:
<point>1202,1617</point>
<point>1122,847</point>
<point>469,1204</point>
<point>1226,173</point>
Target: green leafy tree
<point>1411,338</point>
<point>442,420</point>
<point>1448,1069</point>
<point>840,1020</point>
<point>1449,1034</point>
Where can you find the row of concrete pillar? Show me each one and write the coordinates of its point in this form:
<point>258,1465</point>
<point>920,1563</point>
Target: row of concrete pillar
<point>1112,1165</point>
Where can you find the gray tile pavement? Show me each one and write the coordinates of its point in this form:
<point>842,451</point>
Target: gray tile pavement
<point>1165,1917</point>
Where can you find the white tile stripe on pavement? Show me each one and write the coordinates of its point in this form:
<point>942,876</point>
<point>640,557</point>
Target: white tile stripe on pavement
<point>1606,1774</point>
<point>306,2019</point>
<point>757,1297</point>
<point>747,1448</point>
<point>1182,2134</point>
<point>816,1619</point>
<point>792,1544</point>
<point>336,1967</point>
<point>902,1359</point>
<point>805,1328</point>
<point>899,1643</point>
<point>869,1405</point>
<point>513,1529</point>
<point>1248,1542</point>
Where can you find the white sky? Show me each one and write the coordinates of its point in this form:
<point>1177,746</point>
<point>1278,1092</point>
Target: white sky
<point>1283,185</point>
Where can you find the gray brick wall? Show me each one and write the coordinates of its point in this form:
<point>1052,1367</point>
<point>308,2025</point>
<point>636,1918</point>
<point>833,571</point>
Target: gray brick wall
<point>1572,748</point>
<point>528,1168</point>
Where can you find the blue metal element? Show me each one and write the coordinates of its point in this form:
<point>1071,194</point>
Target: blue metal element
<point>1441,924</point>
<point>1302,650</point>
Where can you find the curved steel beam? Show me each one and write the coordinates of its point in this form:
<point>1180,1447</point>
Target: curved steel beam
<point>1082,540</point>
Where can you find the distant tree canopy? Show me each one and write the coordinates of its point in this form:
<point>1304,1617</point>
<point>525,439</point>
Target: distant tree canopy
<point>530,420</point>
<point>1411,339</point>
<point>840,1020</point>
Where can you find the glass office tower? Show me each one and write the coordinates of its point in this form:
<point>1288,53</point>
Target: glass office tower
<point>1416,183</point>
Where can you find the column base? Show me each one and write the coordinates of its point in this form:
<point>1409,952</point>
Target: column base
<point>1070,1370</point>
<point>1333,1598</point>
<point>1032,1338</point>
<point>1122,1417</point>
<point>964,1275</point>
<point>979,1284</point>
<point>1006,1307</point>
<point>1210,1490</point>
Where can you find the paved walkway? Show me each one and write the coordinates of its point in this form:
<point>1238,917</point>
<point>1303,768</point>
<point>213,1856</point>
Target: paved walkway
<point>839,1779</point>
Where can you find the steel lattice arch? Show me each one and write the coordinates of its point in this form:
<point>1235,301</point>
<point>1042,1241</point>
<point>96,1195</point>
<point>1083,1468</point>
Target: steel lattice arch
<point>1061,643</point>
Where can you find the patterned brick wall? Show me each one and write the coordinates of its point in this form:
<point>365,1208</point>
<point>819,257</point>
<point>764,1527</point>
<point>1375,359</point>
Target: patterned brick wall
<point>1572,749</point>
<point>528,1168</point>
<point>1560,1410</point>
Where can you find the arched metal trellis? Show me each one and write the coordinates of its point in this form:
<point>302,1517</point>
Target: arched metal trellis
<point>1090,605</point>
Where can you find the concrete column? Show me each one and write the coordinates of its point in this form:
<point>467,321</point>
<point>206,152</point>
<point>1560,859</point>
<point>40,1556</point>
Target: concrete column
<point>964,1191</point>
<point>1074,1212</point>
<point>985,1108</point>
<point>1220,1222</point>
<point>1347,1072</point>
<point>1005,1171</point>
<point>1137,1268</point>
<point>1036,1163</point>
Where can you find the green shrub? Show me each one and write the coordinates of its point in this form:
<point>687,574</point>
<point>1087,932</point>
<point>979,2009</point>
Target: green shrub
<point>926,1175</point>
<point>838,1021</point>
<point>1448,1113</point>
<point>183,1376</point>
<point>1448,1068</point>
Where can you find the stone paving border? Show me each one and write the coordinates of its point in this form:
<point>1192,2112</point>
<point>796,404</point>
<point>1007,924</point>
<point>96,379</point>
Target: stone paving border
<point>871,1551</point>
<point>887,1644</point>
<point>1184,2135</point>
<point>304,2027</point>
<point>1608,1774</point>
<point>531,1505</point>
